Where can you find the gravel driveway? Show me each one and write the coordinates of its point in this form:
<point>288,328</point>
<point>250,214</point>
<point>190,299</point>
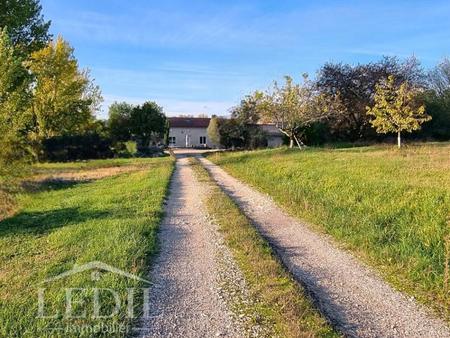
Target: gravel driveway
<point>350,295</point>
<point>186,298</point>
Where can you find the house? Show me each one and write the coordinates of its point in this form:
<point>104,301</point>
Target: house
<point>191,132</point>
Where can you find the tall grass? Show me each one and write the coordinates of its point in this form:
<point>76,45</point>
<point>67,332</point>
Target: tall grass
<point>390,207</point>
<point>113,220</point>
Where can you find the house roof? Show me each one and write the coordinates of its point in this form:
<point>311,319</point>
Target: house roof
<point>189,122</point>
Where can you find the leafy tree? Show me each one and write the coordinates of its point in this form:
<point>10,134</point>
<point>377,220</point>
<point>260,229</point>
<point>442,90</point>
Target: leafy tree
<point>439,78</point>
<point>213,130</point>
<point>119,121</point>
<point>14,101</point>
<point>294,107</point>
<point>65,98</point>
<point>147,123</point>
<point>231,133</point>
<point>396,109</point>
<point>247,111</point>
<point>25,24</point>
<point>437,102</point>
<point>354,88</point>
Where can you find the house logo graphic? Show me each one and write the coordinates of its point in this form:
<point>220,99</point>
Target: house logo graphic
<point>96,267</point>
<point>93,304</point>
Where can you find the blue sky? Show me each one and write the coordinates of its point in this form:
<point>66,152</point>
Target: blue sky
<point>202,56</point>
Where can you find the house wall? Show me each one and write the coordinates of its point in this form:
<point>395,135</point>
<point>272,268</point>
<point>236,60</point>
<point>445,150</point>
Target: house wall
<point>193,134</point>
<point>274,141</point>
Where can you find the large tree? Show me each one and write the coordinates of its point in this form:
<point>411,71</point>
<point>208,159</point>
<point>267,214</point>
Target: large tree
<point>294,107</point>
<point>65,98</point>
<point>25,24</point>
<point>14,102</point>
<point>354,86</point>
<point>396,108</point>
<point>147,123</point>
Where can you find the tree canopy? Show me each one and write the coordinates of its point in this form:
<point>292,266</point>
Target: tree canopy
<point>396,108</point>
<point>25,24</point>
<point>64,97</point>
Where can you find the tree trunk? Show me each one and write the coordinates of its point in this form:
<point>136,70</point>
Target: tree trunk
<point>399,140</point>
<point>300,144</point>
<point>291,143</point>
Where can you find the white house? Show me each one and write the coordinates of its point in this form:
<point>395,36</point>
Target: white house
<point>191,132</point>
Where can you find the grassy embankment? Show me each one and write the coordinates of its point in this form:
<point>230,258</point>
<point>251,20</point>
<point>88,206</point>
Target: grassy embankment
<point>67,223</point>
<point>390,207</point>
<point>280,304</point>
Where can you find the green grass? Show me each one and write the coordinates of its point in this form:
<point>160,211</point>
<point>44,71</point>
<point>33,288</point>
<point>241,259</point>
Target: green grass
<point>279,303</point>
<point>112,220</point>
<point>390,207</point>
<point>89,164</point>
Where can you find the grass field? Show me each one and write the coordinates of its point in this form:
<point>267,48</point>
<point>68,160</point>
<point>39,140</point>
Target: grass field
<point>278,303</point>
<point>112,220</point>
<point>390,207</point>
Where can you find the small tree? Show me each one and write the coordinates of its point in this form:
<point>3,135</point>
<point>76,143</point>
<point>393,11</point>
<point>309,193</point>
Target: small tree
<point>119,121</point>
<point>396,109</point>
<point>213,130</point>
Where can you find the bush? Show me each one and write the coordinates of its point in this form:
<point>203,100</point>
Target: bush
<point>77,147</point>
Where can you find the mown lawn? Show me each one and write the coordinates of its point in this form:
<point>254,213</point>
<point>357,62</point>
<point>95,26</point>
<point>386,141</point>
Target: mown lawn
<point>112,220</point>
<point>390,207</point>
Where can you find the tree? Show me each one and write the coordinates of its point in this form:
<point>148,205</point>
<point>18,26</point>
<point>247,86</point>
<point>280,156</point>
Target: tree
<point>147,123</point>
<point>119,121</point>
<point>354,87</point>
<point>439,78</point>
<point>247,111</point>
<point>14,101</point>
<point>26,26</point>
<point>437,102</point>
<point>396,109</point>
<point>65,98</point>
<point>294,107</point>
<point>213,130</point>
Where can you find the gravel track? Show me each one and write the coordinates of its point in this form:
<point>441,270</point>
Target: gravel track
<point>187,298</point>
<point>357,301</point>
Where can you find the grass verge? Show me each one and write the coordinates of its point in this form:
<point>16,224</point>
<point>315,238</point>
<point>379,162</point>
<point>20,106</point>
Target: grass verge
<point>279,300</point>
<point>112,220</point>
<point>390,207</point>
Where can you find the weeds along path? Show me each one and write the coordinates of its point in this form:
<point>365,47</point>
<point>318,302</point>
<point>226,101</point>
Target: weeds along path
<point>185,299</point>
<point>350,295</point>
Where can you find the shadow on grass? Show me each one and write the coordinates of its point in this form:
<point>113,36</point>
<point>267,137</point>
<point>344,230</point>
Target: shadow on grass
<point>41,222</point>
<point>50,185</point>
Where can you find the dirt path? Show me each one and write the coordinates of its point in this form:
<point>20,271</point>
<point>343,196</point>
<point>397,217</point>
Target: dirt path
<point>355,299</point>
<point>186,299</point>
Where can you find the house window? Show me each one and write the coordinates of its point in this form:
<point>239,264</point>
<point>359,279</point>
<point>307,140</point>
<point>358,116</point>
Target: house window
<point>202,140</point>
<point>172,140</point>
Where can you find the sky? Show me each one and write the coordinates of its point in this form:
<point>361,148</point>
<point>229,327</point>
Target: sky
<point>202,57</point>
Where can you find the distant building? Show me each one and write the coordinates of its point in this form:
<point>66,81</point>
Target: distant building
<point>191,132</point>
